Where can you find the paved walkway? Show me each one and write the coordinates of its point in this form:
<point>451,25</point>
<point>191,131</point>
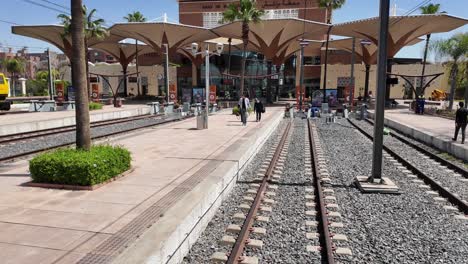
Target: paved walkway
<point>59,226</point>
<point>435,131</point>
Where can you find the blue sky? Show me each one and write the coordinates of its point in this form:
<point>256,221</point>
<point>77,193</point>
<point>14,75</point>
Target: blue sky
<point>25,13</point>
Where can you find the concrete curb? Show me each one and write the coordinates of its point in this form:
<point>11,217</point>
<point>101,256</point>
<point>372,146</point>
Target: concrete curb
<point>442,143</point>
<point>171,238</point>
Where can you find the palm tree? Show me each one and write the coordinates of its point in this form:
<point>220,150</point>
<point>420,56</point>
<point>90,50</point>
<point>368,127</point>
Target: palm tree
<point>454,49</point>
<point>331,5</point>
<point>136,16</point>
<point>77,29</point>
<point>426,10</point>
<point>14,67</point>
<point>247,12</point>
<point>93,28</point>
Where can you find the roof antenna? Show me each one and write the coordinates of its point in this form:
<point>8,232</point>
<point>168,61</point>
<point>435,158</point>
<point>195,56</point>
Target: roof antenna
<point>394,9</point>
<point>165,18</point>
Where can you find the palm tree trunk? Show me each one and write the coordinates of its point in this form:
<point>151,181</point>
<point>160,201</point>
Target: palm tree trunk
<point>83,139</point>
<point>453,82</point>
<point>421,90</point>
<point>245,39</point>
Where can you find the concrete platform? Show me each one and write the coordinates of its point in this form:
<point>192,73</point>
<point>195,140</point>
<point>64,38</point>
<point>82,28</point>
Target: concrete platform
<point>26,122</point>
<point>152,215</point>
<point>434,131</point>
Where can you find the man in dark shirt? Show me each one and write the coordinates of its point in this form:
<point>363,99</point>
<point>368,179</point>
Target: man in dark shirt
<point>460,122</point>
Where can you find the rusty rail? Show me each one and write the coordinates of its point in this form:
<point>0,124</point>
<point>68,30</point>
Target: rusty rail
<point>325,238</point>
<point>243,237</point>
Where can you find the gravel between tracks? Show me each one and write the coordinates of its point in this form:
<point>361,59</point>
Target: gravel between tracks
<point>406,228</point>
<point>36,144</point>
<point>438,172</point>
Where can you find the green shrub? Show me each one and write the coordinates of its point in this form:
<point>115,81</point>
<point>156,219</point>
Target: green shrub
<point>94,106</point>
<point>78,167</point>
<point>236,110</point>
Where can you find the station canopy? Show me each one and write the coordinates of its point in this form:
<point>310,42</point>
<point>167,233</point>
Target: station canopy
<point>403,30</point>
<point>273,37</point>
<point>123,52</point>
<point>54,34</point>
<point>365,50</point>
<point>156,34</point>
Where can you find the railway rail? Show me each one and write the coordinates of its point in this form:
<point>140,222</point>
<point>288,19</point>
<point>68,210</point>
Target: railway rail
<point>33,135</point>
<point>316,204</point>
<point>463,172</point>
<point>422,173</point>
<point>4,139</point>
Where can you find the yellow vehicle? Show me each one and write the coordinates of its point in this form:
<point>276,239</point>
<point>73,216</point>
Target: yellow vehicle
<point>438,95</point>
<point>4,105</point>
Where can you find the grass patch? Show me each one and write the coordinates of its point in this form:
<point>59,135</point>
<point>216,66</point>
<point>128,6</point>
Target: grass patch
<point>95,106</point>
<point>449,157</point>
<point>78,167</point>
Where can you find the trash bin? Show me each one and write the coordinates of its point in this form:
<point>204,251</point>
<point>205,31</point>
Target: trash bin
<point>202,121</point>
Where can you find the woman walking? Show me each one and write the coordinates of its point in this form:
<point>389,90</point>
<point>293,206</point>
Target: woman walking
<point>259,109</point>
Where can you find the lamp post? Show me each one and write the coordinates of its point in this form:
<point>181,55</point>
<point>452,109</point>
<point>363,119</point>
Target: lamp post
<point>303,44</point>
<point>366,84</point>
<point>208,54</point>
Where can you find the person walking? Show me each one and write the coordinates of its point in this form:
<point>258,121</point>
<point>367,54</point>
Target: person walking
<point>244,104</point>
<point>460,121</point>
<point>259,109</point>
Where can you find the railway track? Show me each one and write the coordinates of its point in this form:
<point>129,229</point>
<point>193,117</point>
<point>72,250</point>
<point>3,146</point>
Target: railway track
<point>46,132</point>
<point>443,181</point>
<point>246,240</point>
<point>31,136</point>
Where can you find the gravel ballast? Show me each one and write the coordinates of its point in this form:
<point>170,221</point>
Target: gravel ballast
<point>408,228</point>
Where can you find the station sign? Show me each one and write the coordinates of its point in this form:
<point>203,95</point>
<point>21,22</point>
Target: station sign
<point>60,91</point>
<point>95,92</point>
<point>172,93</point>
<point>212,94</point>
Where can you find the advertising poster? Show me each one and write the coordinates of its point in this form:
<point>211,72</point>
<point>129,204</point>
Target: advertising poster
<point>331,95</point>
<point>71,93</point>
<point>349,98</point>
<point>187,95</point>
<point>173,93</point>
<point>198,95</point>
<point>60,91</point>
<point>212,94</point>
<point>95,92</point>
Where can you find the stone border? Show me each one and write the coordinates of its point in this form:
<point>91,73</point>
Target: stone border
<point>77,187</point>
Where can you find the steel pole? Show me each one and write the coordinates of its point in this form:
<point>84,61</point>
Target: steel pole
<point>166,71</point>
<point>301,82</point>
<point>366,84</point>
<point>381,90</point>
<point>51,83</point>
<point>326,67</point>
<point>207,84</point>
<point>353,60</point>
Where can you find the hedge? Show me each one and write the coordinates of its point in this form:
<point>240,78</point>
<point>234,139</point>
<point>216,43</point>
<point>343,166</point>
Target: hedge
<point>94,106</point>
<point>78,167</point>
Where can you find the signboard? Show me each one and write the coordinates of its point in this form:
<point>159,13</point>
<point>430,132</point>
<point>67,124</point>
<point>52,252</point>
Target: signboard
<point>95,92</point>
<point>60,91</point>
<point>172,93</point>
<point>198,95</point>
<point>71,93</point>
<point>298,96</point>
<point>212,94</point>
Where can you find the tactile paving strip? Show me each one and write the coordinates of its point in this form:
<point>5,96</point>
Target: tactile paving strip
<point>117,243</point>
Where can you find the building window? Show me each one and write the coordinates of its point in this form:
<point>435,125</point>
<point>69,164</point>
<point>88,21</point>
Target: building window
<point>315,60</point>
<point>281,13</point>
<point>212,19</point>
